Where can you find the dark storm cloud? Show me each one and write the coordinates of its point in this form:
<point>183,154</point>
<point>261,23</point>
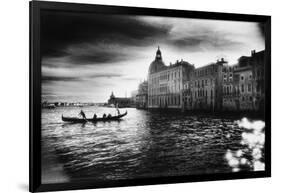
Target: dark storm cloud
<point>106,75</point>
<point>96,53</point>
<point>62,30</point>
<point>188,41</point>
<point>85,55</point>
<point>207,39</point>
<point>98,57</point>
<point>53,78</point>
<point>58,78</point>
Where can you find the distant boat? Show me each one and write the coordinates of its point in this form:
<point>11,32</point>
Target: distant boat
<point>80,120</point>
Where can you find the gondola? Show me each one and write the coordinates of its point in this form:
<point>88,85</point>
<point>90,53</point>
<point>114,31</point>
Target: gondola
<point>80,120</point>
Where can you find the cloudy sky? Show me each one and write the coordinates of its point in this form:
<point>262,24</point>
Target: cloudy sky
<point>86,56</point>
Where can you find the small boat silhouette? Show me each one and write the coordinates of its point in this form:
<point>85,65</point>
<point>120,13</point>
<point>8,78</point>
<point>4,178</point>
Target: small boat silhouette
<point>81,120</point>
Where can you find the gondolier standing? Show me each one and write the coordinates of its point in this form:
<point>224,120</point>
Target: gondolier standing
<point>82,114</point>
<point>118,112</point>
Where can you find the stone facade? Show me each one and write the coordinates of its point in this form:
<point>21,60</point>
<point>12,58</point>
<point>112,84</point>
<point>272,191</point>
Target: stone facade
<point>215,87</point>
<point>203,90</point>
<point>258,63</point>
<point>230,86</point>
<point>165,83</point>
<point>245,92</point>
<point>245,88</point>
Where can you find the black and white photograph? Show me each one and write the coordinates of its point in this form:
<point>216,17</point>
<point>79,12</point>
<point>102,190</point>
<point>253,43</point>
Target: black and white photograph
<point>137,97</point>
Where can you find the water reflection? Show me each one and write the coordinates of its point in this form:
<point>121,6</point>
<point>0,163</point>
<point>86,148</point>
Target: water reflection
<point>251,155</point>
<point>143,144</point>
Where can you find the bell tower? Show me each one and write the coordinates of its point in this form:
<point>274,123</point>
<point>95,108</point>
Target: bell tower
<point>158,63</point>
<point>158,54</point>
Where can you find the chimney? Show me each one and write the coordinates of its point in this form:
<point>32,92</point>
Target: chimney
<point>253,52</point>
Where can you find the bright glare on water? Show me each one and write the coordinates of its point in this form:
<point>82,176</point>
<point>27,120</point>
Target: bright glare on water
<point>144,144</point>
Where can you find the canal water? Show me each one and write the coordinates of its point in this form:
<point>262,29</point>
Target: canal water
<point>143,144</point>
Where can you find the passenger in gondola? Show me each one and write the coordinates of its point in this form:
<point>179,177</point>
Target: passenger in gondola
<point>82,114</point>
<point>95,116</point>
<point>104,115</point>
<point>109,115</point>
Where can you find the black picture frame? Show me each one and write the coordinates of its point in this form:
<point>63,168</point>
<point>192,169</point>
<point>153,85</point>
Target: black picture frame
<point>36,7</point>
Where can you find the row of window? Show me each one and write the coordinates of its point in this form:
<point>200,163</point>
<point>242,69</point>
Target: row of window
<point>247,98</point>
<point>228,90</point>
<point>243,98</point>
<point>259,73</point>
<point>170,75</point>
<point>230,77</point>
<point>199,93</point>
<point>202,93</point>
<point>165,101</point>
<point>202,83</point>
<point>205,72</point>
<point>243,89</point>
<point>165,89</point>
<point>242,77</point>
<point>228,69</point>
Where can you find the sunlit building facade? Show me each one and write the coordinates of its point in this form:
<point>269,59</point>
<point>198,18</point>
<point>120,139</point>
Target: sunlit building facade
<point>230,88</point>
<point>165,83</point>
<point>243,84</point>
<point>206,87</point>
<point>214,87</point>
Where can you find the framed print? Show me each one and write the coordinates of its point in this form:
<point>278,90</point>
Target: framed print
<point>123,96</point>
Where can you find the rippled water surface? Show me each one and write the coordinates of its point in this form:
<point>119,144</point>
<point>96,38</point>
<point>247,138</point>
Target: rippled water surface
<point>143,144</point>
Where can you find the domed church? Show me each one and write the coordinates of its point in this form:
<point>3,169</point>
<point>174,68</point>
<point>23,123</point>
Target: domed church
<point>165,83</point>
<point>158,64</point>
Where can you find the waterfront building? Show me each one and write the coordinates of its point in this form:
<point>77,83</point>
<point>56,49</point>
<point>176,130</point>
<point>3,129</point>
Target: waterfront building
<point>142,95</point>
<point>119,101</point>
<point>245,87</point>
<point>245,91</point>
<point>230,86</point>
<point>258,62</point>
<point>205,87</point>
<point>165,83</point>
<point>214,87</point>
<point>187,97</point>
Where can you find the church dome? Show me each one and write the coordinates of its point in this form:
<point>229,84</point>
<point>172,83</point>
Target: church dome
<point>158,64</point>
